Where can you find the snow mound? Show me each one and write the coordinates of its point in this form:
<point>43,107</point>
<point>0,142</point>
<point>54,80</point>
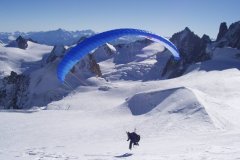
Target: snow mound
<point>177,100</point>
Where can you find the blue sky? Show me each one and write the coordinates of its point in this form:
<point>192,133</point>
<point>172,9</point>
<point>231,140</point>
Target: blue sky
<point>163,17</point>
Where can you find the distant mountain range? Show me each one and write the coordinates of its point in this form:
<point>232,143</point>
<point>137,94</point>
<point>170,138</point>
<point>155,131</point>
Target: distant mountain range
<point>53,37</point>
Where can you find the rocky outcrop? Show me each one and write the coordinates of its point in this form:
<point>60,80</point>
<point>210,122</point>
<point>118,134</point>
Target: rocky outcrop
<point>104,52</point>
<point>94,67</point>
<point>20,42</point>
<point>222,30</point>
<point>87,67</point>
<point>192,48</point>
<point>110,50</point>
<point>58,51</point>
<point>13,91</point>
<point>231,37</point>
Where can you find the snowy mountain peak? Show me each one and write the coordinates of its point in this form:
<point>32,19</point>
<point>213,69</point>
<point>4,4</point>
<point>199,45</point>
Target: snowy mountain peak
<point>60,30</point>
<point>187,29</point>
<point>222,30</point>
<point>57,51</point>
<point>52,37</point>
<point>20,42</point>
<point>229,37</point>
<point>192,48</point>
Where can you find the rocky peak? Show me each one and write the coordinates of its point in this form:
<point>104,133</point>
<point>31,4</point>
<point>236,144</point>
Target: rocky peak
<point>20,42</point>
<point>192,48</point>
<point>12,78</point>
<point>222,30</point>
<point>60,30</point>
<point>94,66</point>
<point>233,35</point>
<point>206,38</point>
<point>13,91</point>
<point>231,38</point>
<point>186,29</point>
<point>110,50</point>
<point>58,51</point>
<point>104,52</point>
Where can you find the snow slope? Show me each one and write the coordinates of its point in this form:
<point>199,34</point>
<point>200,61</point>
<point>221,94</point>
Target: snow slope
<point>19,60</point>
<point>133,62</point>
<point>195,116</point>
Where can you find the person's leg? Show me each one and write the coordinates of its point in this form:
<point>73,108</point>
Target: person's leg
<point>130,145</point>
<point>136,143</point>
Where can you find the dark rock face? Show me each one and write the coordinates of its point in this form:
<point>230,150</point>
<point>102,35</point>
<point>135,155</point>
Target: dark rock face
<point>20,42</point>
<point>94,67</point>
<point>108,50</point>
<point>58,51</point>
<point>13,91</point>
<point>233,35</point>
<point>231,38</point>
<point>173,68</point>
<point>191,47</point>
<point>104,52</point>
<point>222,30</point>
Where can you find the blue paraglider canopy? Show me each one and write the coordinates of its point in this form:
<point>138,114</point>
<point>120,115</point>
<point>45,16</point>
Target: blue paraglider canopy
<point>89,44</point>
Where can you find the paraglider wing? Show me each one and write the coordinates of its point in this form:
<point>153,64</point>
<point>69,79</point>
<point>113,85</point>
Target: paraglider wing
<point>89,44</point>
